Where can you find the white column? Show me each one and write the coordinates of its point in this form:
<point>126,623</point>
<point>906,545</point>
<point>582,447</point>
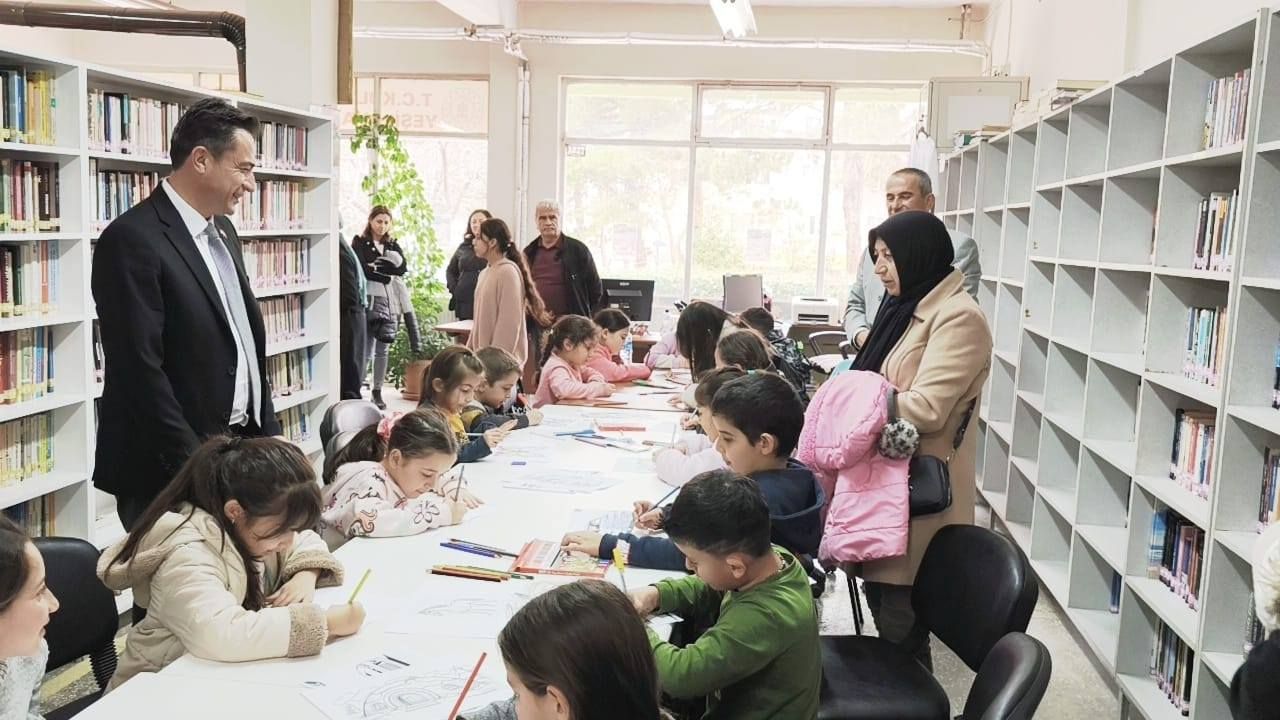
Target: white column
<point>292,54</point>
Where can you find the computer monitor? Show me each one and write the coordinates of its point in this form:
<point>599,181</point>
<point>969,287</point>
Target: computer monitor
<point>633,297</point>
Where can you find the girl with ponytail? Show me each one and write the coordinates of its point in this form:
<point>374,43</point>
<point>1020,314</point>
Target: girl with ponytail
<point>505,294</point>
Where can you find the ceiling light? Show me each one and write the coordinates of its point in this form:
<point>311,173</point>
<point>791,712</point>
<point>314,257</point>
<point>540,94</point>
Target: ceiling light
<point>735,17</point>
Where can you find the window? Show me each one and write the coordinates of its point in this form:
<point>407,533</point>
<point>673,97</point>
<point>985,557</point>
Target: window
<point>444,125</point>
<point>786,180</point>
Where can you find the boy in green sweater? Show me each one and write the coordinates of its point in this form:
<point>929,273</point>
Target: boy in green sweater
<point>760,657</point>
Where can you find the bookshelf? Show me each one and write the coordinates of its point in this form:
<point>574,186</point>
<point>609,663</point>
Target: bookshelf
<point>293,250</point>
<point>1094,286</point>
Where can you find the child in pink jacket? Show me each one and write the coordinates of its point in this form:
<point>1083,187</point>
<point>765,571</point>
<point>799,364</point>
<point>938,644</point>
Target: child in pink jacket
<point>615,326</point>
<point>868,504</point>
<point>565,374</point>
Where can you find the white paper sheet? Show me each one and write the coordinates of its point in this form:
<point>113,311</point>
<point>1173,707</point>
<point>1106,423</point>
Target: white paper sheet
<point>558,480</point>
<point>601,521</point>
<point>425,690</point>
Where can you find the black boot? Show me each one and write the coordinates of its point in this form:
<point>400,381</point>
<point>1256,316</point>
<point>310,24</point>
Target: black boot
<point>377,399</point>
<point>411,328</point>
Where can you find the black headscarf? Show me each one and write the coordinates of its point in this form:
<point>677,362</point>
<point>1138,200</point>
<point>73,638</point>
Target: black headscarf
<point>923,254</point>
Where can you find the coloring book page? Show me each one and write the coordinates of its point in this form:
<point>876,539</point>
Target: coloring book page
<point>425,690</point>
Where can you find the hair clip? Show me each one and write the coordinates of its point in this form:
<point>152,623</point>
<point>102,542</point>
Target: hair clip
<point>387,423</point>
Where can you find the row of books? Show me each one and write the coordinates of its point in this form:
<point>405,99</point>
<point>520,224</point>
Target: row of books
<point>26,448</point>
<point>1176,555</point>
<point>30,275</point>
<point>27,104</point>
<point>1206,353</point>
<point>124,123</point>
<point>1224,114</point>
<point>289,372</point>
<point>115,191</point>
<point>26,365</point>
<point>282,146</point>
<point>275,205</point>
<point>1171,664</point>
<point>1192,463</point>
<point>277,263</point>
<point>1253,630</point>
<point>36,517</point>
<point>1269,502</point>
<point>283,318</point>
<point>1216,230</point>
<point>294,424</point>
<point>30,196</point>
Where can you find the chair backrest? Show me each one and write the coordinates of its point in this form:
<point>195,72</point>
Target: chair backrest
<point>348,415</point>
<point>339,441</point>
<point>974,587</point>
<point>87,621</point>
<point>1012,680</point>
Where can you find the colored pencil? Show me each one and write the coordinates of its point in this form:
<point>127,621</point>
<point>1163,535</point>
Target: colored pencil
<point>506,573</point>
<point>490,548</point>
<point>467,688</point>
<point>469,549</point>
<point>359,585</point>
<point>457,490</point>
<point>467,575</point>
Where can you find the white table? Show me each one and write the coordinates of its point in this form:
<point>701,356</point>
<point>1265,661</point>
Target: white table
<point>400,568</point>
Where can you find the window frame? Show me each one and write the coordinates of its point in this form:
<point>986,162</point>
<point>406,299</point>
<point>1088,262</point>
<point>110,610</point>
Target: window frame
<point>377,101</point>
<point>696,140</point>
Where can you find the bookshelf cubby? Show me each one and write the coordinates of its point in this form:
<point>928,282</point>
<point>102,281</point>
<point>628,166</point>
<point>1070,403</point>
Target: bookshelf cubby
<point>987,235</point>
<point>72,506</point>
<point>1108,192</point>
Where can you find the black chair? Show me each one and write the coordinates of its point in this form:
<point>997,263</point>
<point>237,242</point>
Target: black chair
<point>86,622</point>
<point>820,343</point>
<point>973,588</point>
<point>1011,682</point>
<point>347,415</point>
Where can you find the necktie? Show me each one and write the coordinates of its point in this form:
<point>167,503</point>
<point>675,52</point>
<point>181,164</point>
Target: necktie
<point>234,300</point>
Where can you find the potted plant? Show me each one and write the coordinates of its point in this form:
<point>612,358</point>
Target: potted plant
<point>393,181</point>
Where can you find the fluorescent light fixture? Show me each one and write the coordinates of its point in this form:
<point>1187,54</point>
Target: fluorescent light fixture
<point>735,17</point>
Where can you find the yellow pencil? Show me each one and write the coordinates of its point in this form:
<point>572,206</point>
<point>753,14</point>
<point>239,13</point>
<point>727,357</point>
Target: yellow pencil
<point>621,563</point>
<point>359,585</point>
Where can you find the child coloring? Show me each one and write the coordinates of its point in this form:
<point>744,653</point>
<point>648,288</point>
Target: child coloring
<point>225,564</point>
<point>489,408</point>
<point>25,606</point>
<point>695,452</point>
<point>565,373</point>
<point>745,350</point>
<point>390,481</point>
<point>449,385</point>
<point>615,326</point>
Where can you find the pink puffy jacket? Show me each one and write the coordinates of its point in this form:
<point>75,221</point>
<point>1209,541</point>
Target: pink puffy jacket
<point>868,509</point>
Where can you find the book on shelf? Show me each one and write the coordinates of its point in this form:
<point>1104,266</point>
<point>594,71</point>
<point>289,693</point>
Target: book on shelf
<point>27,102</point>
<point>282,146</point>
<point>1117,584</point>
<point>277,262</point>
<point>282,318</point>
<point>131,125</point>
<point>1171,663</point>
<point>289,372</point>
<point>26,448</point>
<point>1175,555</point>
<point>115,191</point>
<point>30,278</point>
<point>1216,230</point>
<point>26,365</point>
<point>1206,350</point>
<point>37,517</point>
<point>1225,105</point>
<point>1269,501</point>
<point>294,424</point>
<point>274,205</point>
<point>1191,465</point>
<point>30,196</point>
<point>1253,630</point>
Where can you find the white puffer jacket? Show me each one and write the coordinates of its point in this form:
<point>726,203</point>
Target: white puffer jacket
<point>192,582</point>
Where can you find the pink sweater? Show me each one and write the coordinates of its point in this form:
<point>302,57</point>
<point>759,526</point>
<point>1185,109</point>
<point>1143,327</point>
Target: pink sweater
<point>562,381</point>
<point>677,468</point>
<point>499,311</point>
<point>615,370</point>
<point>665,354</point>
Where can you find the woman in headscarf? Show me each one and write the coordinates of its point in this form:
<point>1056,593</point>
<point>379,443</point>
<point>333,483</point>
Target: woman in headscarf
<point>932,342</point>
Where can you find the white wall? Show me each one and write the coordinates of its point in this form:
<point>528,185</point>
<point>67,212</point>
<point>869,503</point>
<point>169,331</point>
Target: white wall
<point>1052,40</point>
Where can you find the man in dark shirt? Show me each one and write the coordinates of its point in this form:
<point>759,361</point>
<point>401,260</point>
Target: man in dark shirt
<point>563,269</point>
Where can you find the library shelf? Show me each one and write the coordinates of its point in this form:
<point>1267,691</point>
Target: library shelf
<point>1223,665</point>
<point>1129,362</point>
<point>1119,454</point>
<point>38,485</point>
<point>310,446</point>
<point>1003,430</point>
<point>1218,276</point>
<point>39,236</point>
<point>1150,700</point>
<point>306,287</point>
<point>1225,156</point>
<point>1101,630</point>
<point>126,158</point>
<point>1108,542</point>
<point>1201,393</point>
<point>1172,609</point>
<point>298,397</point>
<point>283,232</point>
<point>1053,573</point>
<point>1028,468</point>
<point>1266,283</point>
<point>1239,542</point>
<point>35,320</point>
<point>1266,418</point>
<point>38,151</point>
<point>1062,500</point>
<point>298,343</point>
<point>53,401</point>
<point>1188,504</point>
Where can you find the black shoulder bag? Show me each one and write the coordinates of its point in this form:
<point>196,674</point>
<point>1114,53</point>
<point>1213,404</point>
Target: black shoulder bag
<point>929,476</point>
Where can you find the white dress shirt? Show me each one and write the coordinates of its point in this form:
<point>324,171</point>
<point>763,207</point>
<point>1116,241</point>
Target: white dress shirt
<point>196,225</point>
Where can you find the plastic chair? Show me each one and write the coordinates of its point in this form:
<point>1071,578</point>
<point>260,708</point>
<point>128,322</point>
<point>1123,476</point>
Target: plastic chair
<point>973,588</point>
<point>821,358</point>
<point>348,415</point>
<point>1011,682</point>
<point>87,621</point>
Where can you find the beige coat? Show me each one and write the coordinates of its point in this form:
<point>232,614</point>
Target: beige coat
<point>499,311</point>
<point>939,366</point>
<point>192,582</point>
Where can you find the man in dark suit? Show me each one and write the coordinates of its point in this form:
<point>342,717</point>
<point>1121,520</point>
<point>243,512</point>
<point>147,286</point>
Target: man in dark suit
<point>179,321</point>
<point>352,298</point>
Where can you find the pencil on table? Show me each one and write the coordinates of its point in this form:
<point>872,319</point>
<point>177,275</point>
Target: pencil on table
<point>467,688</point>
<point>359,585</point>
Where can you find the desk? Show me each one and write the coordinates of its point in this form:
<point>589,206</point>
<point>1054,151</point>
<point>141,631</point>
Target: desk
<point>640,345</point>
<point>400,570</point>
<point>458,330</point>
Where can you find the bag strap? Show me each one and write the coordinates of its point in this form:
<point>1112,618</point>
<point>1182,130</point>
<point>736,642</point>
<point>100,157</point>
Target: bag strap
<point>964,426</point>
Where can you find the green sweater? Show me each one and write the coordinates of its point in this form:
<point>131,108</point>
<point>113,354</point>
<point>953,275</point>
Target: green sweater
<point>760,659</point>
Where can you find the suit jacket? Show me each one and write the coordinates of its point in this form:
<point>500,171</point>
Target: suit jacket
<point>349,299</point>
<point>867,291</point>
<point>939,367</point>
<point>172,373</point>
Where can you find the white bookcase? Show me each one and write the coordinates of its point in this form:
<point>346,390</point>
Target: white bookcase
<point>81,511</point>
<point>1085,219</point>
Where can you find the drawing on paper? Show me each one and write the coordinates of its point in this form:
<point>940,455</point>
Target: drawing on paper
<point>403,693</point>
<point>469,606</point>
<point>602,521</point>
